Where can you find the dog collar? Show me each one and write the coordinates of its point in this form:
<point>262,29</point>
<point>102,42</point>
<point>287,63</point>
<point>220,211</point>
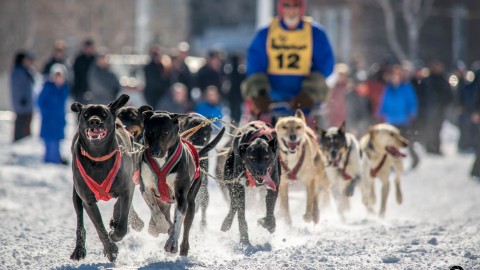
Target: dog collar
<point>97,159</point>
<point>101,191</point>
<point>292,174</point>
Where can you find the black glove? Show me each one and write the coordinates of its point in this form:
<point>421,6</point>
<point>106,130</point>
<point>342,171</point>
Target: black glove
<point>262,101</point>
<point>302,101</point>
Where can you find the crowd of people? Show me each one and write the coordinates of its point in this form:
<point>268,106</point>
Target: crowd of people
<point>287,63</point>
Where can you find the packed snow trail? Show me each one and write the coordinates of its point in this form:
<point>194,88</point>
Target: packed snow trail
<point>437,226</point>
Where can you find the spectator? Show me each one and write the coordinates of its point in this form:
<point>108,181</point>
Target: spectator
<point>103,83</point>
<point>420,122</point>
<point>336,101</point>
<point>176,101</point>
<point>210,107</point>
<point>51,102</point>
<point>439,96</point>
<point>180,71</point>
<point>376,85</point>
<point>358,110</point>
<point>58,57</point>
<point>475,117</point>
<point>235,76</point>
<point>157,81</point>
<point>81,66</point>
<point>21,87</point>
<point>398,107</point>
<point>210,73</point>
<point>466,95</point>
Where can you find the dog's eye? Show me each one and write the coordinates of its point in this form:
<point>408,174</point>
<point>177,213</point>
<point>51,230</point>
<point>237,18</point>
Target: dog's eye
<point>391,134</point>
<point>284,127</point>
<point>251,156</point>
<point>298,127</point>
<point>104,114</point>
<point>85,114</point>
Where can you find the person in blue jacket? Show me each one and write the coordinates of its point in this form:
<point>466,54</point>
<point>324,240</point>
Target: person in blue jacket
<point>399,106</point>
<point>51,102</point>
<point>287,62</point>
<point>210,107</point>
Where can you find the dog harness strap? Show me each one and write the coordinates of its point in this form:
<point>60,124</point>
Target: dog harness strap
<point>161,174</point>
<point>97,159</point>
<point>251,180</point>
<point>264,129</point>
<point>374,171</point>
<point>345,175</point>
<point>101,190</point>
<point>196,158</point>
<point>292,175</point>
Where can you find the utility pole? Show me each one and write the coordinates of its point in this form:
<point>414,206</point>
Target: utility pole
<point>264,12</point>
<point>142,25</point>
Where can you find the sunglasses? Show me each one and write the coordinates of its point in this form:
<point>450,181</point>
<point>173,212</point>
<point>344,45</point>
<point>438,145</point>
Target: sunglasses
<point>287,5</point>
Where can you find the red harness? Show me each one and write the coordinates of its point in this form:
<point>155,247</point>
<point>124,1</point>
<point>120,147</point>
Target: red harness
<point>160,174</point>
<point>292,174</point>
<point>343,171</point>
<point>101,191</point>
<point>374,171</point>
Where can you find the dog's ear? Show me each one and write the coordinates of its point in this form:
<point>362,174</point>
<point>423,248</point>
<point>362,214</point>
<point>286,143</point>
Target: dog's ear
<point>371,131</point>
<point>299,114</point>
<point>404,142</point>
<point>77,107</point>
<point>176,117</point>
<point>273,144</point>
<point>321,132</point>
<point>146,116</point>
<point>274,121</point>
<point>144,108</point>
<point>118,103</point>
<point>242,148</point>
<point>342,128</point>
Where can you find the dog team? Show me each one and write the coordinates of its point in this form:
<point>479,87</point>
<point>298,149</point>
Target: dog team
<point>116,147</point>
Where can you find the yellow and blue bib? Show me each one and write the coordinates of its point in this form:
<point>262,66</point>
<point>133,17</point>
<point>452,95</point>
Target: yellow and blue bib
<point>289,51</point>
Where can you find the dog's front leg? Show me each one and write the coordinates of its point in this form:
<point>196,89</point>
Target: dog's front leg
<point>238,194</point>
<point>284,203</point>
<point>79,252</point>
<point>268,222</point>
<point>312,195</point>
<point>134,220</point>
<point>110,249</point>
<point>174,232</point>
<point>398,165</point>
<point>227,222</point>
<point>385,190</point>
<point>192,194</point>
<point>120,216</point>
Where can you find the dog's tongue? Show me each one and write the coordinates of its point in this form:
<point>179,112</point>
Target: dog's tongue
<point>394,151</point>
<point>292,145</point>
<point>267,179</point>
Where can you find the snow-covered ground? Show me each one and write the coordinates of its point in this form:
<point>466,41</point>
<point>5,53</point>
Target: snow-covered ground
<point>437,227</point>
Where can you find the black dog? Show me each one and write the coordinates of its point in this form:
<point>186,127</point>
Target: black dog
<point>254,156</point>
<point>200,138</point>
<point>131,118</point>
<point>101,170</point>
<point>170,171</point>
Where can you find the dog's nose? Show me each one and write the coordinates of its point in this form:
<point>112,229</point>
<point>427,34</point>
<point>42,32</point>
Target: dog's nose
<point>94,122</point>
<point>293,137</point>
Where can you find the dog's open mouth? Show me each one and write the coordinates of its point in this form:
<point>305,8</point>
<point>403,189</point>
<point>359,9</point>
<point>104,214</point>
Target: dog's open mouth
<point>392,150</point>
<point>263,180</point>
<point>292,146</point>
<point>95,133</point>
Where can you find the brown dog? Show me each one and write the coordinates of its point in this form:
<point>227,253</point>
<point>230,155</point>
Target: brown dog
<point>302,160</point>
<point>381,144</point>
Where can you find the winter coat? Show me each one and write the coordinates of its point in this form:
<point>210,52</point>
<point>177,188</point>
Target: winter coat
<point>80,73</point>
<point>207,76</point>
<point>439,94</point>
<point>51,102</point>
<point>336,104</point>
<point>103,84</point>
<point>156,83</point>
<point>21,87</point>
<point>399,104</point>
<point>358,112</point>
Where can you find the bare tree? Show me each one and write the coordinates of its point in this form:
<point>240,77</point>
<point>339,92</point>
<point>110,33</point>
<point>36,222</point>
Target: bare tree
<point>414,13</point>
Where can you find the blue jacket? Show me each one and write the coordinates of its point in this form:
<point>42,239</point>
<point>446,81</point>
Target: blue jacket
<point>284,87</point>
<point>21,87</point>
<point>399,104</point>
<point>51,102</point>
<point>209,110</point>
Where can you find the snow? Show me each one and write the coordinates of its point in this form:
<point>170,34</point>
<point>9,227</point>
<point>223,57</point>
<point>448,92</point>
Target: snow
<point>436,227</point>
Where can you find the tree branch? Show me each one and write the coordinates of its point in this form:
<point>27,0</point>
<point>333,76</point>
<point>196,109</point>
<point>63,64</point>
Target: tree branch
<point>391,29</point>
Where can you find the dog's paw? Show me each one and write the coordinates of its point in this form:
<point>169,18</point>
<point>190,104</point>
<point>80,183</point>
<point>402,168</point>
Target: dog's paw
<point>184,249</point>
<point>226,225</point>
<point>268,223</point>
<point>171,245</point>
<point>316,217</point>
<point>152,228</point>
<point>137,224</point>
<point>79,253</point>
<point>350,189</point>
<point>111,251</point>
<point>308,217</point>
